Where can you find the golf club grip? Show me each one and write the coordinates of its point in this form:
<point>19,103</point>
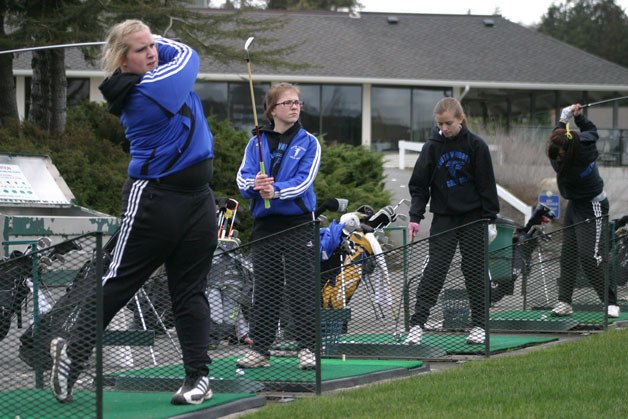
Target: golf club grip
<point>263,170</point>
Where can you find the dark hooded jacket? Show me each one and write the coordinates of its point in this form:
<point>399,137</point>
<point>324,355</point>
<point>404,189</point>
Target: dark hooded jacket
<point>455,175</point>
<point>581,181</point>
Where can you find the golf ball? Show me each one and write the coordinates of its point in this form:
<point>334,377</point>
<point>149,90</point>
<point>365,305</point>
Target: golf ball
<point>240,371</point>
<point>544,317</point>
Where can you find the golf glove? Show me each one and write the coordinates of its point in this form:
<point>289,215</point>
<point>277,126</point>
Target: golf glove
<point>414,229</point>
<point>492,233</point>
<point>566,113</point>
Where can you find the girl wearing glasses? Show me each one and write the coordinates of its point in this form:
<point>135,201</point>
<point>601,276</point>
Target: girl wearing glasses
<point>292,158</point>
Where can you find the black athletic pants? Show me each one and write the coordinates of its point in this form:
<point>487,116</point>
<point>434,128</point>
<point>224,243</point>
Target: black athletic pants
<point>283,267</point>
<point>161,225</point>
<point>583,246</point>
<point>444,237</point>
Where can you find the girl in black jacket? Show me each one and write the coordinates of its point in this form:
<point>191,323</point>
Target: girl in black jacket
<point>454,172</point>
<point>572,156</point>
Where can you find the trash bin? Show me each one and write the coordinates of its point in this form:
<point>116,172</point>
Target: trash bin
<point>455,308</point>
<point>500,251</point>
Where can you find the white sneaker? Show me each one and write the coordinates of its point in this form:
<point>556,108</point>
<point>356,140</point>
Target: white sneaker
<point>307,359</point>
<point>477,335</point>
<point>253,359</point>
<point>195,390</point>
<point>562,309</point>
<point>414,336</point>
<point>613,311</point>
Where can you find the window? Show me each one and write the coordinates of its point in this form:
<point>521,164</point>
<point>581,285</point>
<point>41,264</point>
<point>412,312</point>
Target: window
<point>390,117</point>
<point>402,113</point>
<point>423,102</point>
<point>214,98</point>
<point>342,114</point>
<point>78,91</point>
<point>240,106</point>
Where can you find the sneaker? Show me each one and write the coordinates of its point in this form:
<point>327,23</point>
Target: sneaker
<point>60,382</point>
<point>307,359</point>
<point>562,309</point>
<point>195,390</point>
<point>477,335</point>
<point>253,359</point>
<point>613,311</point>
<point>414,336</point>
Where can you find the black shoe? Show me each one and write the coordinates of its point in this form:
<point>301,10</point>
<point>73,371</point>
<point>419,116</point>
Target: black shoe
<point>60,378</point>
<point>195,390</point>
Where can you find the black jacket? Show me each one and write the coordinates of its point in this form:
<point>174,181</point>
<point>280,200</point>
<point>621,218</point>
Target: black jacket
<point>582,181</point>
<point>455,175</point>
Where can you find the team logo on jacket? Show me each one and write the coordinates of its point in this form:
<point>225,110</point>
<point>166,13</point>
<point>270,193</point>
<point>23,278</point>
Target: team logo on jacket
<point>454,161</point>
<point>296,152</point>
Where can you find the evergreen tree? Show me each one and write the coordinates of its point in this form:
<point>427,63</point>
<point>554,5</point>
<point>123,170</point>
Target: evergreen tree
<point>599,27</point>
<point>218,36</point>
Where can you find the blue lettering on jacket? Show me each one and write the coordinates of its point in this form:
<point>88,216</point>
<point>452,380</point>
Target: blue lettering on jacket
<point>586,172</point>
<point>454,161</point>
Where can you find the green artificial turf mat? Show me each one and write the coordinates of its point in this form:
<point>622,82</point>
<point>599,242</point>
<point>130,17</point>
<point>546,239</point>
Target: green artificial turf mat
<point>40,403</point>
<point>582,317</point>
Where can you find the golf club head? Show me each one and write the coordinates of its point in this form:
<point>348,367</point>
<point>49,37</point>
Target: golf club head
<point>248,43</point>
<point>43,242</point>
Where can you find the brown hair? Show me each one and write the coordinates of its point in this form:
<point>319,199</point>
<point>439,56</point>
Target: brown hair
<point>116,46</point>
<point>557,142</point>
<point>273,94</point>
<point>449,104</point>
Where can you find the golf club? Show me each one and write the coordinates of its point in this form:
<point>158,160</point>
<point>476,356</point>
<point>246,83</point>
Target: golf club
<point>262,169</point>
<point>604,101</point>
<point>79,44</point>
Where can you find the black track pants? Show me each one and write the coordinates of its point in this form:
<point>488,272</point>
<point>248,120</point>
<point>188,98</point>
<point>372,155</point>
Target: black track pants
<point>442,249</point>
<point>161,225</point>
<point>583,246</point>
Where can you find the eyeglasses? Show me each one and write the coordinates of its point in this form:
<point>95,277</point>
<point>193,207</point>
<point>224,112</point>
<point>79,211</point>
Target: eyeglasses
<point>290,103</point>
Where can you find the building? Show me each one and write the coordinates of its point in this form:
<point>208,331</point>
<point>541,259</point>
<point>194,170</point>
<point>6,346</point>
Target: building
<point>373,78</point>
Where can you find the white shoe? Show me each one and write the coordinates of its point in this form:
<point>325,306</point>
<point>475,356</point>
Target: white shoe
<point>195,390</point>
<point>253,359</point>
<point>613,311</point>
<point>414,336</point>
<point>562,309</point>
<point>477,335</point>
<point>307,359</point>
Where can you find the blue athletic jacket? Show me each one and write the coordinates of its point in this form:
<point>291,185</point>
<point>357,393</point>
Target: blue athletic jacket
<point>294,181</point>
<point>162,116</point>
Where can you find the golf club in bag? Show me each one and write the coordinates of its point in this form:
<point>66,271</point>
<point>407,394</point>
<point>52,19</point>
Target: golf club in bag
<point>16,272</point>
<point>230,281</point>
<point>525,242</point>
<point>359,258</point>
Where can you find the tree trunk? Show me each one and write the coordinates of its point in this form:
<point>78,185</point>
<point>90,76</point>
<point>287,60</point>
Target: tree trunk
<point>48,108</point>
<point>8,101</point>
<point>58,91</point>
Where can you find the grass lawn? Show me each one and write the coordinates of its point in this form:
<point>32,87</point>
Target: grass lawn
<point>587,378</point>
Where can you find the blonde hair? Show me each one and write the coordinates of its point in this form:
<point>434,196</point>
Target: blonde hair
<point>116,46</point>
<point>449,104</point>
<point>273,95</point>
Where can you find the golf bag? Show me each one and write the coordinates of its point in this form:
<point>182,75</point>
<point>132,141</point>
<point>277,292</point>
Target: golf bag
<point>620,267</point>
<point>358,256</point>
<point>229,293</point>
<point>16,282</point>
<point>525,241</point>
<point>34,349</point>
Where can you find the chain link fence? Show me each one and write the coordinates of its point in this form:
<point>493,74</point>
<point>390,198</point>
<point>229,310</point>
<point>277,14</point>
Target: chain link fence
<point>285,319</point>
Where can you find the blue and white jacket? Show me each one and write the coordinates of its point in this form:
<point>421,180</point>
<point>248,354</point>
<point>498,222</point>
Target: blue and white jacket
<point>294,181</point>
<point>162,116</point>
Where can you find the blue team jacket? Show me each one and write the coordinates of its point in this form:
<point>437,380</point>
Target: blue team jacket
<point>163,119</point>
<point>294,181</point>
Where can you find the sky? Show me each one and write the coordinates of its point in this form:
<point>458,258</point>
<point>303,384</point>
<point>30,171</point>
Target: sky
<point>526,12</point>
